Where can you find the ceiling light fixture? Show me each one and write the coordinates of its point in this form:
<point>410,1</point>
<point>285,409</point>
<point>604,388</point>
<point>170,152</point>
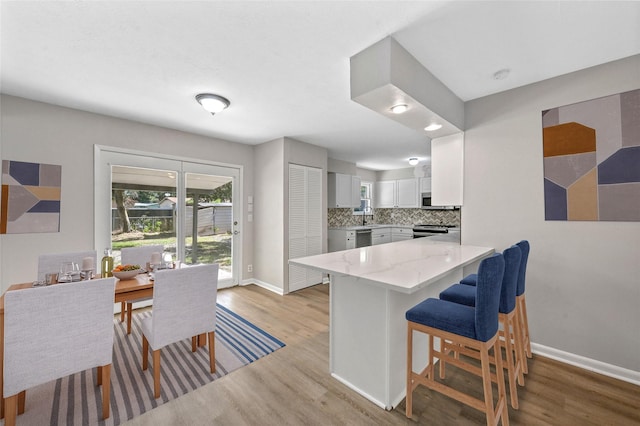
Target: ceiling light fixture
<point>212,103</point>
<point>432,127</point>
<point>501,74</point>
<point>413,161</point>
<point>399,109</point>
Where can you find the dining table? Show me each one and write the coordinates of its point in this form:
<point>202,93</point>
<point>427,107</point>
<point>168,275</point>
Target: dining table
<point>140,286</point>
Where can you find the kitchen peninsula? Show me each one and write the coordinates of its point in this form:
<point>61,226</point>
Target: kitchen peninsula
<point>371,289</point>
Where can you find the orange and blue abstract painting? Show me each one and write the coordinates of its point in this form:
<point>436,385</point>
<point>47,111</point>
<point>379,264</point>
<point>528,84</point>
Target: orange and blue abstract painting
<point>591,156</point>
<point>30,197</point>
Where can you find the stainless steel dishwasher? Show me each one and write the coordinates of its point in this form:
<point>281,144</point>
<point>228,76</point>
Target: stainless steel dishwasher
<point>363,237</point>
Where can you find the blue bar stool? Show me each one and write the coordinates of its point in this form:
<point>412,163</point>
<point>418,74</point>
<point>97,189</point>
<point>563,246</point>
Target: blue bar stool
<point>521,305</point>
<point>463,326</point>
<point>510,333</point>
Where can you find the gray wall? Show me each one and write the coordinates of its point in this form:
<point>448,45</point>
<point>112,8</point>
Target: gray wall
<point>43,133</point>
<point>271,246</point>
<point>583,282</point>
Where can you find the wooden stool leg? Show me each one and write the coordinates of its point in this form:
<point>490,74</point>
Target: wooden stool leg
<point>525,328</point>
<point>194,343</point>
<point>521,360</point>
<point>501,405</point>
<point>212,352</point>
<point>106,390</point>
<point>511,364</point>
<point>22,400</point>
<point>486,383</point>
<point>409,397</point>
<point>156,373</point>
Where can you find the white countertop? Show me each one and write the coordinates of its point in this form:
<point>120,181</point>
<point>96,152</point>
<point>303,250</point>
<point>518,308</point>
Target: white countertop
<point>403,266</point>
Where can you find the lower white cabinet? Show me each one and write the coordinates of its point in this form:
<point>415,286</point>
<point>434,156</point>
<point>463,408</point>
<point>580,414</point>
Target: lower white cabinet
<point>339,239</point>
<point>400,234</point>
<point>380,236</point>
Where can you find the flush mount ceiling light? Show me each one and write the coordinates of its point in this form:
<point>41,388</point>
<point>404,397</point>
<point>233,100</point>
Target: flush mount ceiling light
<point>501,74</point>
<point>212,103</point>
<point>432,127</point>
<point>399,109</point>
<point>413,161</point>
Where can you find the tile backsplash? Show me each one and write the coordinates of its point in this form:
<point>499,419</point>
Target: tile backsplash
<point>344,217</point>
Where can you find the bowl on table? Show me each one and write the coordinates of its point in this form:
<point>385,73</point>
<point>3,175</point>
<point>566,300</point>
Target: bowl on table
<point>126,275</point>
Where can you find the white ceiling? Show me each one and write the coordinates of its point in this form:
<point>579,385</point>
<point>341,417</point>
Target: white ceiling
<point>285,65</point>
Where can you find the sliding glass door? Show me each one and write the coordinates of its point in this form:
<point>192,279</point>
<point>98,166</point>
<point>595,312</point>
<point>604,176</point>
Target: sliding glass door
<point>186,206</point>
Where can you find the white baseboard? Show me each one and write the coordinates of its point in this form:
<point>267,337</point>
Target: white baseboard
<point>588,363</point>
<point>264,285</point>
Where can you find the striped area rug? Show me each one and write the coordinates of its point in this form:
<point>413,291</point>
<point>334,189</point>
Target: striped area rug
<point>76,400</point>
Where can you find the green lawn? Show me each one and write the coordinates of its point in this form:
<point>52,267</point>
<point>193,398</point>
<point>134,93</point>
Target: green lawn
<point>211,248</point>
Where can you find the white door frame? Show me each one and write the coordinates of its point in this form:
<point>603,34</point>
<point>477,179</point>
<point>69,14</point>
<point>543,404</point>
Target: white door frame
<point>105,156</point>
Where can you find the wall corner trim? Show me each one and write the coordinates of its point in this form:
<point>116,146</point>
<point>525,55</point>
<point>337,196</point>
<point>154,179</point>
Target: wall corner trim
<point>264,285</point>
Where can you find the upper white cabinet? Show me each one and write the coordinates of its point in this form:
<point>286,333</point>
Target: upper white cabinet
<point>343,190</point>
<point>425,184</point>
<point>447,162</point>
<point>401,193</point>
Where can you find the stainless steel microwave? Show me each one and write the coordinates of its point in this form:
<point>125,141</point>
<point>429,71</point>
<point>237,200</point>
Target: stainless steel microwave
<point>426,203</point>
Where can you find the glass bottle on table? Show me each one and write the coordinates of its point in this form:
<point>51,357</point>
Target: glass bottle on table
<point>106,264</point>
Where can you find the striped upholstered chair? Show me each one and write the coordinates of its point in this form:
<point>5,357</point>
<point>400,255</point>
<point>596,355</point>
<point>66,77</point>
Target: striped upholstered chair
<point>184,305</point>
<point>52,332</point>
<point>50,263</point>
<point>136,256</point>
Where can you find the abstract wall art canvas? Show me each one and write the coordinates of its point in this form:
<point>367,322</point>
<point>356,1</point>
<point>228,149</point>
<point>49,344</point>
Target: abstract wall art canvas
<point>591,156</point>
<point>30,197</point>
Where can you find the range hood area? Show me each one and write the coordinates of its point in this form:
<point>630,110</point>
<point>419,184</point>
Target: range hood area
<point>384,75</point>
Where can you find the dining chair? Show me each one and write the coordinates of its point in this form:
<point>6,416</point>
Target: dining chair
<point>184,305</point>
<point>475,328</point>
<point>466,295</point>
<point>50,263</point>
<point>136,256</point>
<point>44,342</point>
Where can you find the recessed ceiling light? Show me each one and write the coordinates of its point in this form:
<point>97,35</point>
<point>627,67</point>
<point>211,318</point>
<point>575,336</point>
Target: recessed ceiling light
<point>432,127</point>
<point>212,103</point>
<point>399,109</point>
<point>413,161</point>
<point>501,74</point>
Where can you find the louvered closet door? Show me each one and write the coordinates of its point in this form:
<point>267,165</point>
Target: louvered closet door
<point>305,222</point>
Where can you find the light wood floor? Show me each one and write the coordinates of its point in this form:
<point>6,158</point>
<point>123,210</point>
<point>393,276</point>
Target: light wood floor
<point>293,387</point>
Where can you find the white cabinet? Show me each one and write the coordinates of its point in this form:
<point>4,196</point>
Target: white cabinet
<point>447,158</point>
<point>380,236</point>
<point>343,190</point>
<point>400,234</point>
<point>340,239</point>
<point>425,184</point>
<point>305,223</point>
<point>401,193</point>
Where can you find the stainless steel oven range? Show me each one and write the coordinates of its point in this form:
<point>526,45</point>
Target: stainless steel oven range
<point>421,231</point>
